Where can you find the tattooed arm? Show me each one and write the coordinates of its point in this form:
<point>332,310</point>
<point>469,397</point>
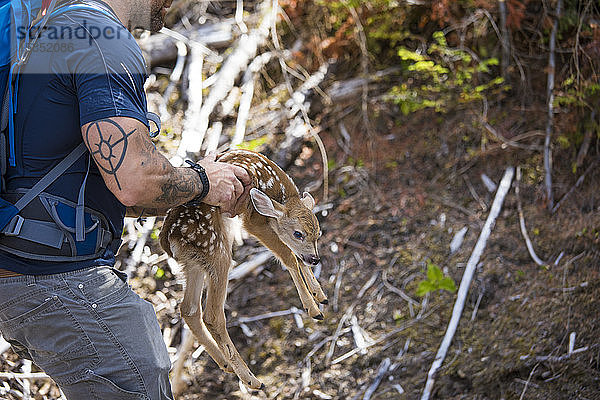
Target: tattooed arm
<point>138,175</point>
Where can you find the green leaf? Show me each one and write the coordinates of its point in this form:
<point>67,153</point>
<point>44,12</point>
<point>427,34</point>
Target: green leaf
<point>406,54</point>
<point>448,284</point>
<point>434,273</point>
<point>424,288</point>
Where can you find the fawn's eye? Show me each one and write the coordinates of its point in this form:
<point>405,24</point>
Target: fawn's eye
<point>298,235</point>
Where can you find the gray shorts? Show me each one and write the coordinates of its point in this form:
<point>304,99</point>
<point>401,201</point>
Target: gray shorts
<point>89,331</point>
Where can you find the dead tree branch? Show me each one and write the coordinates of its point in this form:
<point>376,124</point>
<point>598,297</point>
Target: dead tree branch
<point>466,279</point>
<point>246,49</point>
<point>534,256</point>
<point>550,100</point>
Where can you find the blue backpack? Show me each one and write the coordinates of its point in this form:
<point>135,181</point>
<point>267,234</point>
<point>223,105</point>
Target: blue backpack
<point>26,19</point>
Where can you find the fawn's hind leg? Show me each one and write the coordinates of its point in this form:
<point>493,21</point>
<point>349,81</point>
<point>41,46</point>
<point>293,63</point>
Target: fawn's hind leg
<point>215,319</point>
<point>191,310</point>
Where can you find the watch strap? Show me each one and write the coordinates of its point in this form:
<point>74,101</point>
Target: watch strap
<point>205,183</point>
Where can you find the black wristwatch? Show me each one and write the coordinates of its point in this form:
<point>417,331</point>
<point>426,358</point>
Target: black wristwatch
<point>205,183</point>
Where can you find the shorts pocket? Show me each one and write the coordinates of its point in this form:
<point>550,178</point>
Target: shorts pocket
<point>103,388</point>
<point>106,288</point>
<point>53,337</point>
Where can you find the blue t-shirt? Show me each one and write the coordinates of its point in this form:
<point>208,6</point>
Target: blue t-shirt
<point>85,67</point>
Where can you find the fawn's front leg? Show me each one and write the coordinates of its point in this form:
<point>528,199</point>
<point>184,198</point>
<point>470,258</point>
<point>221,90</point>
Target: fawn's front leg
<point>270,239</point>
<point>216,324</point>
<point>312,283</point>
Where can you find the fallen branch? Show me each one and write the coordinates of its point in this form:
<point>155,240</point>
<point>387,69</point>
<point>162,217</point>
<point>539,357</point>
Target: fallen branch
<point>247,94</point>
<point>192,115</point>
<point>534,256</point>
<point>30,375</point>
<point>274,314</point>
<point>563,357</point>
<point>509,142</point>
<point>161,48</point>
<point>383,368</point>
<point>212,137</point>
<point>26,368</point>
<point>397,291</point>
<point>341,91</point>
<point>247,267</point>
<point>466,279</point>
<point>174,78</point>
<point>246,49</point>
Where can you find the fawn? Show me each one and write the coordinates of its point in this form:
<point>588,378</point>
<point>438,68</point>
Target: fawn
<point>197,237</point>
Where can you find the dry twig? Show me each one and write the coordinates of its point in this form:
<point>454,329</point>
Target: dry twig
<point>534,256</point>
<point>466,279</point>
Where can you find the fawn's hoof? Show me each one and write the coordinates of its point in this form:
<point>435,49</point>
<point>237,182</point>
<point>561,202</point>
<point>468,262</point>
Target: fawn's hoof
<point>255,392</point>
<point>319,317</point>
<point>255,385</point>
<point>325,301</point>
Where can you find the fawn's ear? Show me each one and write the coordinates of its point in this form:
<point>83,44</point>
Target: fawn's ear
<point>308,201</point>
<point>264,205</point>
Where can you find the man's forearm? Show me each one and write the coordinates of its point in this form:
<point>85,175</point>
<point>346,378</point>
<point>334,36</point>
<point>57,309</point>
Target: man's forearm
<point>133,170</point>
<point>164,186</point>
<point>180,186</point>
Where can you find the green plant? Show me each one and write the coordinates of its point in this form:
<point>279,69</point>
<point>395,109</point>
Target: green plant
<point>254,144</point>
<point>443,78</point>
<point>435,281</point>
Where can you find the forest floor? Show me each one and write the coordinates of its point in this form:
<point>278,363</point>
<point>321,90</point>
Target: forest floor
<point>396,204</point>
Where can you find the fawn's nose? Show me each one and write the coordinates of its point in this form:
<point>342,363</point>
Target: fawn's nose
<point>314,260</point>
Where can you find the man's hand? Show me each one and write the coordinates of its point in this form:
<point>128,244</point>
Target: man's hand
<point>229,185</point>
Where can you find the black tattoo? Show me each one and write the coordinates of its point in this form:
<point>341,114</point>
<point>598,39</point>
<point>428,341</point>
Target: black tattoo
<point>179,189</point>
<point>110,152</point>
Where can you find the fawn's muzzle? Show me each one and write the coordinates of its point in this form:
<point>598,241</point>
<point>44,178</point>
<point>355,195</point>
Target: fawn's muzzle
<point>311,260</point>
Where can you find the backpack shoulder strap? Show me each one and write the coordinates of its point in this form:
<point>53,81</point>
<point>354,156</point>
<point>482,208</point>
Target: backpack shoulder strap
<point>51,176</point>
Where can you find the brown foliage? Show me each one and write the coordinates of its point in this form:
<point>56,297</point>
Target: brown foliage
<point>516,13</point>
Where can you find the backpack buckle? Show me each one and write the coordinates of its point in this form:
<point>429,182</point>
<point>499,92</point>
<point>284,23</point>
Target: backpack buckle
<point>14,226</point>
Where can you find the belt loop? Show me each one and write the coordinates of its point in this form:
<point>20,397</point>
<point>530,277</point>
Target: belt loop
<point>30,279</point>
